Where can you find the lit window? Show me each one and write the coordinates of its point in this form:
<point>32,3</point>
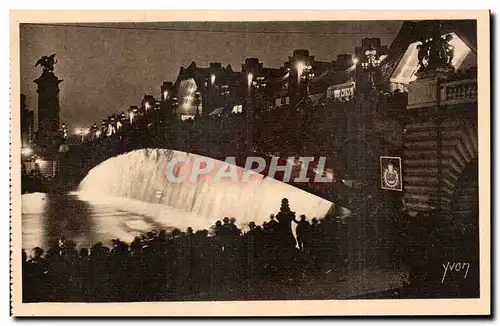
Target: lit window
<point>237,109</point>
<point>186,116</point>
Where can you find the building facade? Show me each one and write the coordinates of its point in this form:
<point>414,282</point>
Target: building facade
<point>27,124</point>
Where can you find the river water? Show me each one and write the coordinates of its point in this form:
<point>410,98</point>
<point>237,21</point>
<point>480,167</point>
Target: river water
<point>130,194</point>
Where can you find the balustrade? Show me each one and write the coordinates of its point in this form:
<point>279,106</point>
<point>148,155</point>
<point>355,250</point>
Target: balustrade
<point>461,91</point>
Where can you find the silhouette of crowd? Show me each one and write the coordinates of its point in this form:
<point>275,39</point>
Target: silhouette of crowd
<point>258,262</point>
<point>222,262</point>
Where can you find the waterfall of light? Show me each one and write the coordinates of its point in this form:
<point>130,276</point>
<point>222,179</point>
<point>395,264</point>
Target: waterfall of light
<point>141,176</point>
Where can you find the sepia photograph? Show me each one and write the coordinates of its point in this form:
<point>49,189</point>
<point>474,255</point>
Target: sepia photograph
<point>250,160</point>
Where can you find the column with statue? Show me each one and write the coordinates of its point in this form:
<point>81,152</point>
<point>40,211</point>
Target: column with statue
<point>50,134</point>
<point>48,103</point>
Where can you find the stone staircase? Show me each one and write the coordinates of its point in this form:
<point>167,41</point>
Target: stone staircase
<point>424,166</point>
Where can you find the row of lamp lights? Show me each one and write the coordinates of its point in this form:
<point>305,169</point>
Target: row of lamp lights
<point>96,131</point>
<point>304,71</point>
<point>84,132</point>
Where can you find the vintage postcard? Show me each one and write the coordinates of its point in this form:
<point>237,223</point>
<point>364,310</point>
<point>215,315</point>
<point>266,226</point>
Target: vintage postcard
<point>246,163</point>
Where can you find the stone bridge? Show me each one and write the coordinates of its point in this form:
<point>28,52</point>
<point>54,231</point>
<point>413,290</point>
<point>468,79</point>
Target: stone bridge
<point>81,158</point>
<point>438,146</point>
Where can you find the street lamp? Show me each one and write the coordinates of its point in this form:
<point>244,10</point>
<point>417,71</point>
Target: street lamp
<point>104,127</point>
<point>301,66</point>
<point>64,131</point>
<point>249,90</point>
<point>131,116</point>
<point>79,132</point>
<point>94,131</point>
<point>121,121</point>
<point>26,151</point>
<point>175,105</point>
<point>212,79</point>
<point>250,79</point>
<point>371,58</point>
<point>371,62</point>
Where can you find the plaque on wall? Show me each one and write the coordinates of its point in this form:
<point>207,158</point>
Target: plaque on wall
<point>390,170</point>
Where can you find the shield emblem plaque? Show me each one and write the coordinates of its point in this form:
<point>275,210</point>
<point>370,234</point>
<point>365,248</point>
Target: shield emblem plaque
<point>391,174</point>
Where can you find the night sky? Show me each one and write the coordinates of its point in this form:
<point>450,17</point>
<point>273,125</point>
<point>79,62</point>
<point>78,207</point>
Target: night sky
<point>108,67</point>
